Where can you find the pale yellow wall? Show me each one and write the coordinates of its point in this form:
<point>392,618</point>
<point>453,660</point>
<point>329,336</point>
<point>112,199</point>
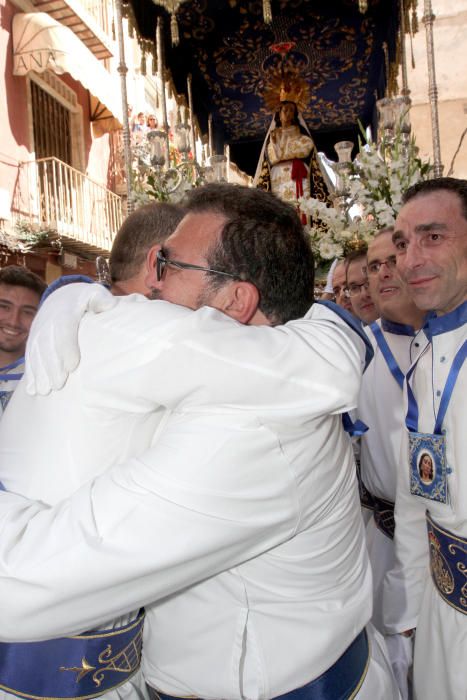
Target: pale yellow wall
<point>450,41</point>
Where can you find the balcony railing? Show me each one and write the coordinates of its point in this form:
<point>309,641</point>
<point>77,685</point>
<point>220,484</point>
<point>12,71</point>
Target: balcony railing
<point>54,196</point>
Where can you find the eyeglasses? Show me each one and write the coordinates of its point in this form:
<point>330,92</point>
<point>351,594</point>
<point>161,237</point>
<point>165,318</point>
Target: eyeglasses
<point>375,266</point>
<point>354,289</point>
<point>162,262</point>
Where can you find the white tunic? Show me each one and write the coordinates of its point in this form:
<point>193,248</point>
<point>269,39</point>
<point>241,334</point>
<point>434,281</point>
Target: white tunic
<point>412,600</point>
<point>381,408</point>
<point>241,519</point>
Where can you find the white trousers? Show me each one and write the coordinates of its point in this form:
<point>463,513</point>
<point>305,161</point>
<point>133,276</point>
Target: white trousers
<point>440,650</point>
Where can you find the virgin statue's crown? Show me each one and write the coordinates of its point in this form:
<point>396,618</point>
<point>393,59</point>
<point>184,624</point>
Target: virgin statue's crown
<point>286,86</point>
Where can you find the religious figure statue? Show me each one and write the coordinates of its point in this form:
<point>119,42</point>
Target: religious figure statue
<point>288,164</point>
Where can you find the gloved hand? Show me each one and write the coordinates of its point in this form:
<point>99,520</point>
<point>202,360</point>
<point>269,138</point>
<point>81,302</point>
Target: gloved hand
<point>329,288</point>
<point>400,650</point>
<point>52,350</point>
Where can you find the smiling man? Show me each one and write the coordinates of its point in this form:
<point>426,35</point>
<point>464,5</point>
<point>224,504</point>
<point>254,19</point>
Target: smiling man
<point>381,409</point>
<point>20,294</point>
<point>431,240</point>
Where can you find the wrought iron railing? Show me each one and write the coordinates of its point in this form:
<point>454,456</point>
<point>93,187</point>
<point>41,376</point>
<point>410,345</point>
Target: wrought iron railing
<point>56,197</point>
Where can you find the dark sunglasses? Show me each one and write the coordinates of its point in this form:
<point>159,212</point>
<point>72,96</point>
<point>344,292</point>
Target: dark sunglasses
<point>162,262</point>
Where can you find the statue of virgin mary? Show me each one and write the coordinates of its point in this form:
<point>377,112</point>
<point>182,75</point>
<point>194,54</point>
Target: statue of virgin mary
<point>288,164</point>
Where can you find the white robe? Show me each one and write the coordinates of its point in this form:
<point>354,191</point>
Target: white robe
<point>381,408</point>
<point>412,600</point>
<point>240,519</point>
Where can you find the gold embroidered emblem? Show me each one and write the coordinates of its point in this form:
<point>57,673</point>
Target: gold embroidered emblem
<point>126,661</point>
<point>80,671</point>
<point>440,570</point>
<point>462,568</point>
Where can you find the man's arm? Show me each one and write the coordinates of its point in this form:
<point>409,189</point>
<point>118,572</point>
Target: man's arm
<point>171,356</point>
<point>183,511</point>
<point>145,529</point>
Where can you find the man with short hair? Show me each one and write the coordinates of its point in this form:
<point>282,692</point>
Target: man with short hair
<point>357,285</point>
<point>238,514</point>
<point>339,286</point>
<point>20,294</point>
<point>381,409</point>
<point>431,240</point>
<point>134,250</point>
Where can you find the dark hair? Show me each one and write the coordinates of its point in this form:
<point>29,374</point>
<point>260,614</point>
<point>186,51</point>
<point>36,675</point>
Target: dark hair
<point>359,254</point>
<point>144,228</point>
<point>355,255</point>
<point>443,184</point>
<point>262,242</point>
<point>18,276</point>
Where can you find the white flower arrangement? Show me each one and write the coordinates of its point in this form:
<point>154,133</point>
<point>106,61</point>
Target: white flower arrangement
<point>375,183</point>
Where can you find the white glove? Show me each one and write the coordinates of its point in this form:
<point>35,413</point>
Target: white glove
<point>52,350</point>
<point>329,288</point>
<point>400,651</point>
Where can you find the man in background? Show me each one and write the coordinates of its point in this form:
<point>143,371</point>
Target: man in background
<point>358,287</point>
<point>339,287</point>
<point>133,255</point>
<point>20,294</point>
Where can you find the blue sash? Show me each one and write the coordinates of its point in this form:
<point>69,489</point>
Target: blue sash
<point>448,564</point>
<point>84,666</point>
<point>428,467</point>
<point>340,682</point>
<point>411,420</point>
<point>387,354</point>
<point>5,377</point>
<point>353,428</point>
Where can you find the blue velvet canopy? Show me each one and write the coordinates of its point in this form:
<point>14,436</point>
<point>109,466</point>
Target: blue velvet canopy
<point>231,54</point>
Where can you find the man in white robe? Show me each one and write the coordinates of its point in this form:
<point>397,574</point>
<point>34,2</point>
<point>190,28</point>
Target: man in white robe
<point>241,520</point>
<point>380,407</point>
<point>431,238</point>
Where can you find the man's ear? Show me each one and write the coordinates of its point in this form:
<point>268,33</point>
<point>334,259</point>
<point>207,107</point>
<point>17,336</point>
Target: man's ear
<point>241,301</point>
<point>150,279</point>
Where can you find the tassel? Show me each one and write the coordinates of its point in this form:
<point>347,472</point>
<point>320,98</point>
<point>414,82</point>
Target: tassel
<point>143,62</point>
<point>414,20</point>
<point>267,11</point>
<point>174,30</point>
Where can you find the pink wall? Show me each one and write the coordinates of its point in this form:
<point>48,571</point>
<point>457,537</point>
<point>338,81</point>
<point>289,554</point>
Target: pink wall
<point>15,145</point>
<point>14,141</point>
